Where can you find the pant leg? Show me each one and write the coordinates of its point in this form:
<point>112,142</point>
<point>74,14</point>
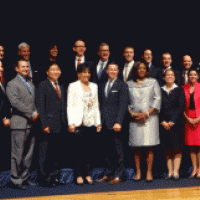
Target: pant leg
<point>119,163</point>
<point>22,146</point>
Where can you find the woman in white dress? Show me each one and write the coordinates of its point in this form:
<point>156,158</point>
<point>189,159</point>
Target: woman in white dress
<point>144,105</point>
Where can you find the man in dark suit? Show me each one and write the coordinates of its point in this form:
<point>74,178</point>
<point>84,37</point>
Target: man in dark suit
<point>51,106</point>
<point>125,73</point>
<point>148,57</point>
<point>99,74</point>
<point>24,53</point>
<point>166,62</point>
<point>113,105</point>
<point>21,94</point>
<point>187,64</point>
<point>5,122</point>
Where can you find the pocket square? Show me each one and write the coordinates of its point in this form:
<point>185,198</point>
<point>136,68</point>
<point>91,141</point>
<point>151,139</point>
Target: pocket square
<point>114,91</point>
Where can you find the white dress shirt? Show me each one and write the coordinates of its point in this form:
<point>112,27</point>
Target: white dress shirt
<point>111,84</point>
<point>130,66</point>
<point>100,64</point>
<point>76,60</point>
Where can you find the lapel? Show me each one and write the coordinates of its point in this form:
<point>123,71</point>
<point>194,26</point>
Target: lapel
<point>53,89</point>
<point>114,87</point>
<point>24,85</point>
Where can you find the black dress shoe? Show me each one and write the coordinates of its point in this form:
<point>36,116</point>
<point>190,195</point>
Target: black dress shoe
<point>47,184</point>
<point>192,176</point>
<point>57,182</point>
<point>176,178</point>
<point>17,186</point>
<point>168,177</point>
<point>28,183</point>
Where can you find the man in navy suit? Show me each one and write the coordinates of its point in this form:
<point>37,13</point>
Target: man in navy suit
<point>125,73</point>
<point>187,64</point>
<point>99,74</point>
<point>113,96</point>
<point>166,62</point>
<point>148,57</point>
<point>51,106</point>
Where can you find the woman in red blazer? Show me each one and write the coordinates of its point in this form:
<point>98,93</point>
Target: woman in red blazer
<point>192,125</point>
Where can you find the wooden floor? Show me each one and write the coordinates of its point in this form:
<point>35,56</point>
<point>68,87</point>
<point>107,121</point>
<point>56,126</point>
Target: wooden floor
<point>189,193</point>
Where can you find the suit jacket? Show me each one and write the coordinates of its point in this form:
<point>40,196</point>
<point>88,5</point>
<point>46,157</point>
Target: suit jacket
<point>22,101</point>
<point>121,77</point>
<point>4,105</point>
<point>69,73</point>
<point>103,77</point>
<point>75,103</point>
<point>173,105</point>
<point>37,76</point>
<point>196,98</point>
<point>154,71</point>
<point>52,110</point>
<point>114,106</point>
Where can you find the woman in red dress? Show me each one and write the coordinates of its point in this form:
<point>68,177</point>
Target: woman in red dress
<point>192,125</point>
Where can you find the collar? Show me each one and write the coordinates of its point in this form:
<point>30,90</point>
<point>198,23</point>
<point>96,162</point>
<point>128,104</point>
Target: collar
<point>82,58</point>
<point>173,87</point>
<point>22,78</point>
<point>113,80</point>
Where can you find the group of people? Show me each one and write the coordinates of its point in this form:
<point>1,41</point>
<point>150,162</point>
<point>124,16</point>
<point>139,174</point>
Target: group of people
<point>150,104</point>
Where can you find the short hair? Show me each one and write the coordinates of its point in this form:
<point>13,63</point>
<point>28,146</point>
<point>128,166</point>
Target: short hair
<point>23,44</point>
<point>193,69</point>
<point>135,68</point>
<point>112,63</point>
<point>103,44</point>
<point>1,45</point>
<point>129,47</point>
<point>82,67</point>
<point>167,53</point>
<point>18,61</point>
<point>53,63</point>
<point>77,41</point>
<point>183,57</point>
<point>52,46</point>
<point>169,69</point>
<point>146,49</point>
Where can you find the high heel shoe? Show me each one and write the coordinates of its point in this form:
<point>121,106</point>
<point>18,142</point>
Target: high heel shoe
<point>168,177</point>
<point>176,178</point>
<point>192,176</point>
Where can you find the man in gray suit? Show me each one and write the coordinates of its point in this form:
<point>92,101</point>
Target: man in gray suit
<point>21,94</point>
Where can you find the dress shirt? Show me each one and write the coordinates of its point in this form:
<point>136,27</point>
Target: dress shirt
<point>111,84</point>
<point>164,70</point>
<point>82,60</point>
<point>149,65</point>
<point>54,84</point>
<point>185,76</point>
<point>30,70</point>
<point>2,86</point>
<point>130,65</point>
<point>99,65</point>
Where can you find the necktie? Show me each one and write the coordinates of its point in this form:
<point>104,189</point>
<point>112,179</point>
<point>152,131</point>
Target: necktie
<point>100,70</point>
<point>2,79</point>
<point>29,76</point>
<point>126,72</point>
<point>108,88</point>
<point>57,90</point>
<point>28,83</point>
<point>79,62</point>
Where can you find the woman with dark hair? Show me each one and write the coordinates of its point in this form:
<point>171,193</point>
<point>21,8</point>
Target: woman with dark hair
<point>192,124</point>
<point>83,119</point>
<point>145,100</point>
<point>171,123</point>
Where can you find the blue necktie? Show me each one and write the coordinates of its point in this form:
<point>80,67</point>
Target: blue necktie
<point>101,70</point>
<point>108,88</point>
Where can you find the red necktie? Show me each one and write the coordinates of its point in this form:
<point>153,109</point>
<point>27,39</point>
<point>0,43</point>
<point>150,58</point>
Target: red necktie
<point>57,90</point>
<point>79,62</point>
<point>2,79</point>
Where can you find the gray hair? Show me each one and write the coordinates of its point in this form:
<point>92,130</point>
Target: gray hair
<point>23,44</point>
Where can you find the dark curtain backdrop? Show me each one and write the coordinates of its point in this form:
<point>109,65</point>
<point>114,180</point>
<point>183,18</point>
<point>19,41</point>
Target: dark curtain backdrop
<point>162,27</point>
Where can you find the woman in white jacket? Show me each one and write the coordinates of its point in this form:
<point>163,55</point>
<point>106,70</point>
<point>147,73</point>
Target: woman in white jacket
<point>83,119</point>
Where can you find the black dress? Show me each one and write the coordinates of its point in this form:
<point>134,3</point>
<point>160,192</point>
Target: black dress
<point>172,108</point>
